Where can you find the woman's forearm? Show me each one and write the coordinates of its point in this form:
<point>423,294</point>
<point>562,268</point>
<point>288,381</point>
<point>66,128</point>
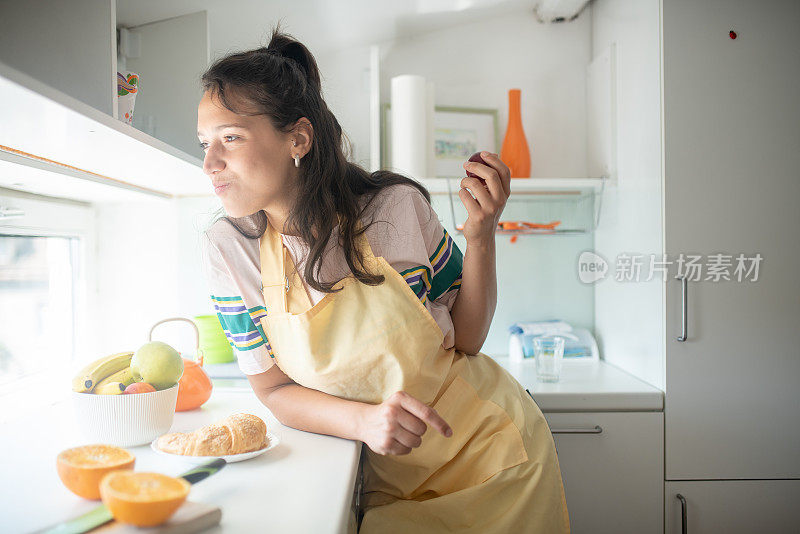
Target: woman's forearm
<point>476,301</point>
<point>314,411</point>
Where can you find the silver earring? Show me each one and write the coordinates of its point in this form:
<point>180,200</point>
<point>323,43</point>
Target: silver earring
<point>297,160</point>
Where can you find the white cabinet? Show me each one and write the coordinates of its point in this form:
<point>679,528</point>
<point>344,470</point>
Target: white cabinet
<point>70,46</point>
<point>59,134</point>
<point>612,467</point>
<point>608,429</point>
<point>731,163</point>
<point>732,507</point>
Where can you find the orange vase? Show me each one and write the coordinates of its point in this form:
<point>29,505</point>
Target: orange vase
<point>515,152</point>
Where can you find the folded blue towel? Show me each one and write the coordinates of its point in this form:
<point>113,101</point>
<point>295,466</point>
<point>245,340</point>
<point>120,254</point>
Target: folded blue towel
<point>573,347</point>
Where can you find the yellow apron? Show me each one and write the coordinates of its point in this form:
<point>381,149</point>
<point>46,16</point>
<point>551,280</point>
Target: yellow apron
<point>498,472</point>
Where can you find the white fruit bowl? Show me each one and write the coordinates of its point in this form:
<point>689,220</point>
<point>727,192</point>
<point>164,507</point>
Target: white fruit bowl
<point>125,420</point>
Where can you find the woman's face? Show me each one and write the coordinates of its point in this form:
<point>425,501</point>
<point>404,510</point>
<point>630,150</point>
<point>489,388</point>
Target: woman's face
<point>246,155</point>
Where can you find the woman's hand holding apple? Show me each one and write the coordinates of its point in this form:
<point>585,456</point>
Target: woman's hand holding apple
<point>489,182</point>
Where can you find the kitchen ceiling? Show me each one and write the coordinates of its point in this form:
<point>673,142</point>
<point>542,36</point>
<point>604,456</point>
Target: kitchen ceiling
<point>324,25</point>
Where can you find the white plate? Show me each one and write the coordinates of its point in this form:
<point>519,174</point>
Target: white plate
<point>272,441</point>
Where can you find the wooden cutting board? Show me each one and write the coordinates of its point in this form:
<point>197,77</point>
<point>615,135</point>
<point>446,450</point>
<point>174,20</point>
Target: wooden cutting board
<point>190,517</point>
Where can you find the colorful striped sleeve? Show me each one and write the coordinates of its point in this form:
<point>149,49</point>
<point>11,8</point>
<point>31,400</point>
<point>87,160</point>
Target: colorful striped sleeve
<point>441,276</point>
<point>240,320</point>
<point>447,261</point>
<point>242,325</point>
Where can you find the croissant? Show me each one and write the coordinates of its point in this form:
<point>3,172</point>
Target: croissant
<point>238,433</point>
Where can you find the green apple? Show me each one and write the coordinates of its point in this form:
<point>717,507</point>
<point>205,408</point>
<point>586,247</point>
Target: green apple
<point>158,364</point>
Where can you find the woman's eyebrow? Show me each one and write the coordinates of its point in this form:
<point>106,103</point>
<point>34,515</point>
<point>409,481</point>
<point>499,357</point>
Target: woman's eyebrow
<point>230,125</point>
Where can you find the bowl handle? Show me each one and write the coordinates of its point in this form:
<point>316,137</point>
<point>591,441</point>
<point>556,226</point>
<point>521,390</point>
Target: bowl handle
<point>199,358</point>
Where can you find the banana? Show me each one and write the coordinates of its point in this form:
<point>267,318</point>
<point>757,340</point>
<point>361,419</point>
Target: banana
<point>124,375</point>
<point>88,377</point>
<point>109,388</point>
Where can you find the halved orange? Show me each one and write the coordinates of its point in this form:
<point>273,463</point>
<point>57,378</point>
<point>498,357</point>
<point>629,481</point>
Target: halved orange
<point>143,499</point>
<point>82,468</point>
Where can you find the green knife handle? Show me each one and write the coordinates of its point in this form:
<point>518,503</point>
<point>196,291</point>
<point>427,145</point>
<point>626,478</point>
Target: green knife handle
<point>203,471</point>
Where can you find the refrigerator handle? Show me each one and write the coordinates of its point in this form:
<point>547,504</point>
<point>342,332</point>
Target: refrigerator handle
<point>684,292</point>
<point>684,528</point>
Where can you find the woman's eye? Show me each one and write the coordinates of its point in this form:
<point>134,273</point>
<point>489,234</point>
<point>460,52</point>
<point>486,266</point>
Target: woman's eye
<point>203,145</point>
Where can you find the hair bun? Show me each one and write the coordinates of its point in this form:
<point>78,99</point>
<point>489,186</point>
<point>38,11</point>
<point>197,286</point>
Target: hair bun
<point>286,46</point>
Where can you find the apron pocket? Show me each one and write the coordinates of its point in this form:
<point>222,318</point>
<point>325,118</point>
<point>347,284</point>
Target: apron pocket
<point>485,441</point>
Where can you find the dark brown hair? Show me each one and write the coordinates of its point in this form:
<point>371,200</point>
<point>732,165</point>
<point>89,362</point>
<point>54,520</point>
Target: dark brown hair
<point>282,82</point>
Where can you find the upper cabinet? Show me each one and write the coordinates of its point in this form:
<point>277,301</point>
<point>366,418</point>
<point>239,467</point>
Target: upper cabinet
<point>70,46</point>
<point>60,133</point>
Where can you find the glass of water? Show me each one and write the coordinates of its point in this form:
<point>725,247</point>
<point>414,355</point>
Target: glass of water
<point>548,353</point>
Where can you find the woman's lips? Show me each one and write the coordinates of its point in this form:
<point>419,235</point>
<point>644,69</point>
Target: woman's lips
<point>220,188</point>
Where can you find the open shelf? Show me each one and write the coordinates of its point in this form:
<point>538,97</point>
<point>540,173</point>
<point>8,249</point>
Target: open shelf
<point>576,202</point>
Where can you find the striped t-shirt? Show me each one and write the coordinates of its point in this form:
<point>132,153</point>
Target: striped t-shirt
<point>407,233</point>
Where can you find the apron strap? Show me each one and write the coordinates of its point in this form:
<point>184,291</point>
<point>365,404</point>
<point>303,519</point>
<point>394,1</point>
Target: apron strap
<point>274,283</point>
<point>274,258</point>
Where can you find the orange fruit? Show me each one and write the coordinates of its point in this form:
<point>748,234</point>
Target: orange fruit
<point>143,499</point>
<point>82,468</point>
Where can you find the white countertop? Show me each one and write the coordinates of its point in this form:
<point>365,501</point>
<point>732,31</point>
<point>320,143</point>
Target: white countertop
<point>586,386</point>
<point>305,484</point>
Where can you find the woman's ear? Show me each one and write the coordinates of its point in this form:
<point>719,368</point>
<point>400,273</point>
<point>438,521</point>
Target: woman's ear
<point>303,135</point>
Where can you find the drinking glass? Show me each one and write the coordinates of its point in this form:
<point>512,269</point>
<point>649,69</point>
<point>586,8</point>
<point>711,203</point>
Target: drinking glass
<point>548,353</point>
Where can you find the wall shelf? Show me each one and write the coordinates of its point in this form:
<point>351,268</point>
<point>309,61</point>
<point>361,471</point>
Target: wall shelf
<point>576,202</point>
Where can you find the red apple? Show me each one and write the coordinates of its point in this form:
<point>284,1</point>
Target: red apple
<point>139,387</point>
<point>476,157</point>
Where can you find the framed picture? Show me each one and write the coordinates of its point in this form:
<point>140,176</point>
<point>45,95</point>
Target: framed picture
<point>458,133</point>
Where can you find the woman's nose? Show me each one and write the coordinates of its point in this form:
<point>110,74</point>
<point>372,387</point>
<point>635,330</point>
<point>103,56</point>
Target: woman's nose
<point>212,163</point>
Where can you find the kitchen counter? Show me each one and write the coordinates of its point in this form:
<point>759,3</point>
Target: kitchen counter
<point>305,484</point>
<point>586,386</point>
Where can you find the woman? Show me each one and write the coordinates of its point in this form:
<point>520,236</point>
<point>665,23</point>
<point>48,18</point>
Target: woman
<point>354,314</point>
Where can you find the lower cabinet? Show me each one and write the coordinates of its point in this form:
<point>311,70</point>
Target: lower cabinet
<point>732,506</point>
<point>612,465</point>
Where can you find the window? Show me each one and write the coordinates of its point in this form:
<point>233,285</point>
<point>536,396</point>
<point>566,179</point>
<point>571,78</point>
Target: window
<point>38,276</point>
<point>44,267</point>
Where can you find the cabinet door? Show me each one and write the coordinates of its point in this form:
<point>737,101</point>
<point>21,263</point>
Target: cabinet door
<point>70,46</point>
<point>733,506</point>
<point>731,163</point>
<point>613,480</point>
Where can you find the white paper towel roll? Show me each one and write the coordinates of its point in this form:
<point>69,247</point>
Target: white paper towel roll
<point>411,139</point>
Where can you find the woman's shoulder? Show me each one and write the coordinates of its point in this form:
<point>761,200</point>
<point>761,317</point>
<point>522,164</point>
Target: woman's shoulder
<point>224,239</point>
<point>222,232</point>
<point>398,200</point>
<point>401,191</point>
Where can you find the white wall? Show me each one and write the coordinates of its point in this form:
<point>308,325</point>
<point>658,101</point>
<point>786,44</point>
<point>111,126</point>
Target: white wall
<point>474,65</point>
<point>629,315</point>
<point>149,269</point>
<point>137,268</point>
